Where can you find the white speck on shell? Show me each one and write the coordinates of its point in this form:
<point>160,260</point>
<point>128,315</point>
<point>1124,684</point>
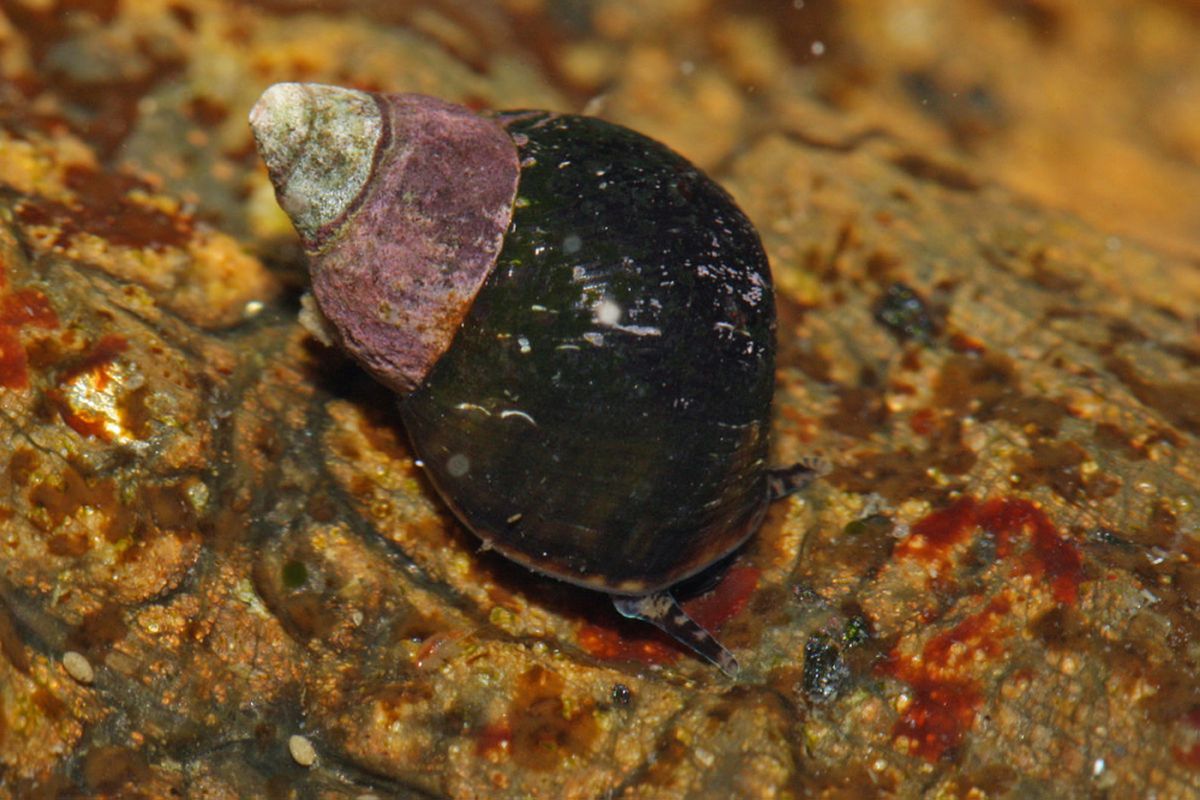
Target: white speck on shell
<point>512,412</point>
<point>458,465</point>
<point>609,313</point>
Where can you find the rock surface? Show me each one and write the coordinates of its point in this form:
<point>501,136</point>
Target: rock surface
<point>983,227</point>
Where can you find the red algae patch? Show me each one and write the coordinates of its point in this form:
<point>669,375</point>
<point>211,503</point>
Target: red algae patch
<point>1049,555</point>
<point>20,309</point>
<point>945,679</point>
<point>944,695</point>
<point>105,207</point>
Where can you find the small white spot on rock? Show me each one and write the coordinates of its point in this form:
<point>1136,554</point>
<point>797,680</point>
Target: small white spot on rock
<point>78,667</point>
<point>524,344</point>
<point>302,750</point>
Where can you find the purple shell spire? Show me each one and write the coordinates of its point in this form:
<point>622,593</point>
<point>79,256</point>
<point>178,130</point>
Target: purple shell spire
<point>401,201</point>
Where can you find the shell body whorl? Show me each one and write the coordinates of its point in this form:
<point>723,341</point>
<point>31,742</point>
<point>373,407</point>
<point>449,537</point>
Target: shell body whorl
<point>602,415</point>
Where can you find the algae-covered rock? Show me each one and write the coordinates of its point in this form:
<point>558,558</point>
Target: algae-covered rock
<point>216,538</point>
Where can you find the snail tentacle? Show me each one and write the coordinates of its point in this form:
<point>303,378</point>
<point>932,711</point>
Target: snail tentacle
<point>785,481</point>
<point>663,611</point>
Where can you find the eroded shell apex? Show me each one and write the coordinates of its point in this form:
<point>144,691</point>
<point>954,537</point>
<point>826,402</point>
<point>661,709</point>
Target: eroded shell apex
<point>318,144</point>
<point>401,201</point>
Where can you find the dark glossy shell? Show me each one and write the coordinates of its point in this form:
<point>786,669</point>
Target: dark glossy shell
<point>602,414</point>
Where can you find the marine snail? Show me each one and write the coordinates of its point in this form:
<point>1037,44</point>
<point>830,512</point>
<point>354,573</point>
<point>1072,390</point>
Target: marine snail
<point>579,324</point>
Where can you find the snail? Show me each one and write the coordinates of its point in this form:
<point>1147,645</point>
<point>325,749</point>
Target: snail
<point>579,326</point>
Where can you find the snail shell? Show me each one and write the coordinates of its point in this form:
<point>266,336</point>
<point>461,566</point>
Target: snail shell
<point>579,324</point>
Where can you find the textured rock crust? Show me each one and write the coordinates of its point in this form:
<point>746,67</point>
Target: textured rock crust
<point>983,227</point>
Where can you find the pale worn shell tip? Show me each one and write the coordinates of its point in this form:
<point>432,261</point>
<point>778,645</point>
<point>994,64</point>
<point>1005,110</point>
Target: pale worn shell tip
<point>318,143</point>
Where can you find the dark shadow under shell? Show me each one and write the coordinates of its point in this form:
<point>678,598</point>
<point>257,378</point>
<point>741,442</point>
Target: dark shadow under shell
<point>602,414</point>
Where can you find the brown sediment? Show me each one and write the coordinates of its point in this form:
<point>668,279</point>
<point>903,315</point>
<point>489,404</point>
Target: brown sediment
<point>103,207</point>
